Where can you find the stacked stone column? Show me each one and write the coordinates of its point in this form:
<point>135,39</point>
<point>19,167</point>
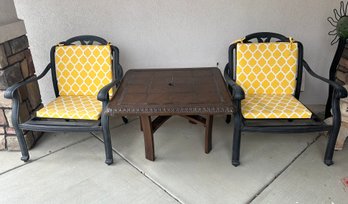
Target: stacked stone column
<point>16,65</point>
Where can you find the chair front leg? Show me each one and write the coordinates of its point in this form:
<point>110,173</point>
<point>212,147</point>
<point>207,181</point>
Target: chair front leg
<point>107,139</point>
<point>236,135</point>
<point>333,133</point>
<point>20,137</point>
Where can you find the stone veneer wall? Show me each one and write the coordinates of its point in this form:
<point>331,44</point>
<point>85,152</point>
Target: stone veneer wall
<point>16,64</point>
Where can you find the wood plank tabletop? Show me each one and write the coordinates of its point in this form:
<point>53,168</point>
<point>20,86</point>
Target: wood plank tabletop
<point>181,91</point>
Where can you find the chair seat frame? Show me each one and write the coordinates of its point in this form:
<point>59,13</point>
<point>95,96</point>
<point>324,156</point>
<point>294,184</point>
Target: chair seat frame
<point>58,125</point>
<point>314,124</point>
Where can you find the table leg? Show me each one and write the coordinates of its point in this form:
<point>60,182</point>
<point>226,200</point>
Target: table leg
<point>208,131</point>
<point>148,137</point>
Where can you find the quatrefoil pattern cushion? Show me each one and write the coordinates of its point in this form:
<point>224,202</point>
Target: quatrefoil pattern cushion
<point>72,107</point>
<point>267,68</point>
<point>273,106</point>
<point>83,69</point>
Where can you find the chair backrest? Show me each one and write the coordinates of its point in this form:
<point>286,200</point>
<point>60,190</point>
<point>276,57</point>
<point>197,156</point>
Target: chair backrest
<point>265,66</point>
<point>84,68</point>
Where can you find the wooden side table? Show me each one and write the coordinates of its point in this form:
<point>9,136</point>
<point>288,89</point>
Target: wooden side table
<point>193,93</point>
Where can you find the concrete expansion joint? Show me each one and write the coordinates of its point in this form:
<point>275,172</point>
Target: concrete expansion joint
<point>137,168</point>
<point>286,167</point>
<point>45,155</point>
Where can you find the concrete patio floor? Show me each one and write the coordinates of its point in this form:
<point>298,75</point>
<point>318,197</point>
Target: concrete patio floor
<point>69,168</point>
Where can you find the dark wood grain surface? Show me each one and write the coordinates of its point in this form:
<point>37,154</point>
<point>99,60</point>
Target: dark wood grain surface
<point>181,91</point>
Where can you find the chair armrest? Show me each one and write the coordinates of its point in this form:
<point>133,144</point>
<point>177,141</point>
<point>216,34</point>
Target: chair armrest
<point>237,91</point>
<point>103,94</point>
<point>10,91</point>
<point>340,90</point>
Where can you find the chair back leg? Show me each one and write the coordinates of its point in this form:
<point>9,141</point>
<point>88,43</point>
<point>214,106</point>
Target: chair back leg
<point>125,120</point>
<point>236,140</point>
<point>228,119</point>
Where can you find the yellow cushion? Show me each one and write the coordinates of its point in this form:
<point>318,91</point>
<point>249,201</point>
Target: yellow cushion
<point>269,106</point>
<point>72,107</point>
<point>83,69</point>
<point>267,68</point>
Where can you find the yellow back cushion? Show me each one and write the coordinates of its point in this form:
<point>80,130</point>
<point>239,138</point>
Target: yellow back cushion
<point>267,68</point>
<point>83,69</point>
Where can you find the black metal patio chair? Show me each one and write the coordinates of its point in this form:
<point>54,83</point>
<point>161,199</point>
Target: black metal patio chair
<point>85,73</point>
<point>264,75</point>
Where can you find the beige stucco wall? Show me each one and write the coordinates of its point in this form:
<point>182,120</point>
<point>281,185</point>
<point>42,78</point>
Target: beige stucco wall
<point>10,26</point>
<point>7,12</point>
<point>180,33</point>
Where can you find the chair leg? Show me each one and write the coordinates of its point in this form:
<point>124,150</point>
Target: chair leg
<point>22,144</point>
<point>107,139</point>
<point>236,141</point>
<point>330,148</point>
<point>333,133</point>
<point>20,137</point>
<point>228,119</point>
<point>125,120</point>
<point>141,125</point>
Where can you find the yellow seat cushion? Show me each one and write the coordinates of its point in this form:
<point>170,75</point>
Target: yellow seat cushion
<point>72,107</point>
<point>267,68</point>
<point>273,106</point>
<point>83,69</point>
